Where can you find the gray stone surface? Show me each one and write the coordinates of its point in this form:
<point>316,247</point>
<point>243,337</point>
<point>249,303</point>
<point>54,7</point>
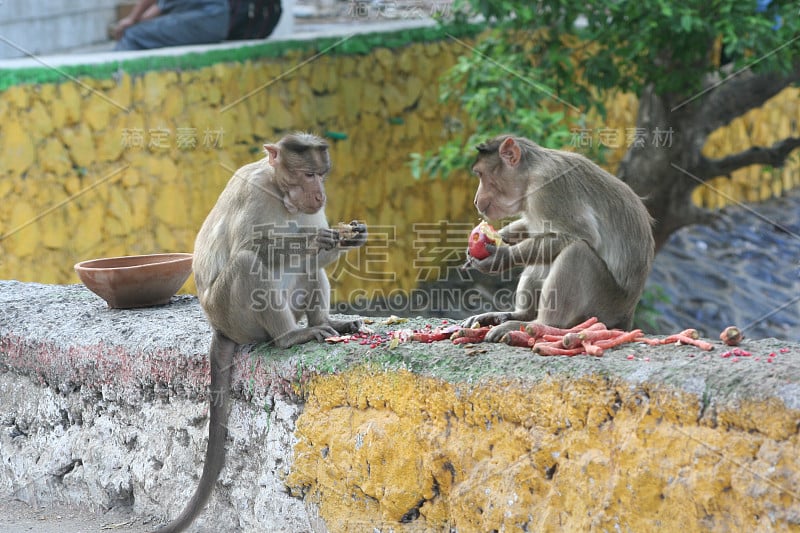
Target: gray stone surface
<point>19,517</point>
<point>82,449</point>
<point>50,26</point>
<point>106,408</point>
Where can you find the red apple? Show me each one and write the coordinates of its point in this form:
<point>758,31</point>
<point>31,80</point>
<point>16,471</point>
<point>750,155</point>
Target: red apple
<point>480,236</point>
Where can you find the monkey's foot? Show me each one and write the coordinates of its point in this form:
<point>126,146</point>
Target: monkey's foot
<point>346,326</point>
<point>486,319</point>
<point>496,333</point>
<point>303,335</point>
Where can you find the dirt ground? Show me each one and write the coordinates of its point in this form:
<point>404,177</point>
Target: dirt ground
<point>19,517</point>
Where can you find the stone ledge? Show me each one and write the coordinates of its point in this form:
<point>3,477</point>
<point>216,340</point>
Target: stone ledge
<point>67,336</point>
<point>89,451</point>
<point>343,31</point>
<point>106,408</point>
<point>68,339</point>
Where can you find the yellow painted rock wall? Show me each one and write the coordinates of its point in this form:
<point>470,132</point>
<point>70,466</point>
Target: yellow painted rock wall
<point>132,165</point>
<point>776,120</point>
<point>100,168</point>
<point>417,454</point>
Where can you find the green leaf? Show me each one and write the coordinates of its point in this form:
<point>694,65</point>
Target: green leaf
<point>415,164</point>
<point>686,22</point>
<point>622,46</point>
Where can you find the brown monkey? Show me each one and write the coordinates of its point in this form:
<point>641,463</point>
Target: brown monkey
<point>258,267</point>
<point>584,237</point>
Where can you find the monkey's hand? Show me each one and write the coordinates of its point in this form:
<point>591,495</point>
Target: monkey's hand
<point>498,261</point>
<point>327,238</point>
<point>353,235</point>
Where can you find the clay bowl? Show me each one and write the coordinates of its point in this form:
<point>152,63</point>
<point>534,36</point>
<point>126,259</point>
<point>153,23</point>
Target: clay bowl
<point>136,280</point>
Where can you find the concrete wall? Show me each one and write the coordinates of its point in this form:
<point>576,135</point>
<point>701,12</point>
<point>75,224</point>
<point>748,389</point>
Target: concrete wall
<point>107,408</point>
<point>92,450</point>
<point>52,26</point>
<point>119,418</point>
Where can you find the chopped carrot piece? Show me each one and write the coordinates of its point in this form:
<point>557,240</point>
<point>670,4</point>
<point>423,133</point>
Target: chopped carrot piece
<point>703,345</point>
<point>585,324</point>
<point>517,338</point>
<point>551,348</point>
<point>534,329</point>
<point>629,336</point>
<point>572,339</point>
<point>475,334</point>
<point>590,336</point>
<point>592,349</point>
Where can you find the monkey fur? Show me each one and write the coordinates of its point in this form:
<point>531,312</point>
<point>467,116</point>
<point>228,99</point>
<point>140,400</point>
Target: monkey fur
<point>584,238</point>
<point>258,267</point>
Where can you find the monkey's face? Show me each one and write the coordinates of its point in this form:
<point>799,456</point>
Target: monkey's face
<point>302,164</point>
<point>305,192</point>
<point>498,195</point>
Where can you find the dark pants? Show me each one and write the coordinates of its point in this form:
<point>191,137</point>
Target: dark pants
<point>181,22</point>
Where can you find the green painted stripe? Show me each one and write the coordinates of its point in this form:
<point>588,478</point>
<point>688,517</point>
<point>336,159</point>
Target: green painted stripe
<point>336,46</point>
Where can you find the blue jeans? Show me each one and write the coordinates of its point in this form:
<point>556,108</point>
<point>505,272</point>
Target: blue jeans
<point>181,22</point>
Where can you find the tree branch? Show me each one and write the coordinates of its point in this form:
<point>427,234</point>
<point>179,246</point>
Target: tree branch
<point>734,96</point>
<point>774,155</point>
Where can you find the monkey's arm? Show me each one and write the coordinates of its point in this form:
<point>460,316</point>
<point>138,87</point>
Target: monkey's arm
<point>515,232</point>
<point>539,249</point>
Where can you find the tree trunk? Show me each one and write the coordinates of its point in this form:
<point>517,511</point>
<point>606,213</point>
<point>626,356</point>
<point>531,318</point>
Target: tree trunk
<point>659,166</point>
<point>667,164</point>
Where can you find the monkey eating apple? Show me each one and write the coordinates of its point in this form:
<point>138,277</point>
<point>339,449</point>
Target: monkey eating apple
<point>480,236</point>
<point>582,236</point>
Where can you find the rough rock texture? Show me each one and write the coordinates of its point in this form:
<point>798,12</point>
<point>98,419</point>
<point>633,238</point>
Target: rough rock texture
<point>743,269</point>
<point>561,454</point>
<point>106,407</point>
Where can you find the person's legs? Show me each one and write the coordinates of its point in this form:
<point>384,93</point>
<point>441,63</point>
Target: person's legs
<point>207,22</point>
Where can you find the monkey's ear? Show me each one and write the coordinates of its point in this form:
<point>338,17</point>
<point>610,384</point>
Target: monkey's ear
<point>510,152</point>
<point>272,153</point>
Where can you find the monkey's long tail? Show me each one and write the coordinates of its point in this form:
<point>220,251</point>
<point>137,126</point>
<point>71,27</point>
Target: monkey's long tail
<point>221,360</point>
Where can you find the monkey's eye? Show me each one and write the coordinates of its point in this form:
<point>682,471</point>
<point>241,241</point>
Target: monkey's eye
<point>310,174</point>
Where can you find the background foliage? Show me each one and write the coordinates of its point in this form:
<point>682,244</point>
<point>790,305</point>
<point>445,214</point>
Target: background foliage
<point>543,66</point>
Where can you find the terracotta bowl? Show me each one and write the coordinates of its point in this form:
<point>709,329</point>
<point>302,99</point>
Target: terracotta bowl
<point>136,280</point>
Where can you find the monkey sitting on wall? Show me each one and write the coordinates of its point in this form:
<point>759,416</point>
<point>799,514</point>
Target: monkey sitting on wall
<point>258,267</point>
<point>584,237</point>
